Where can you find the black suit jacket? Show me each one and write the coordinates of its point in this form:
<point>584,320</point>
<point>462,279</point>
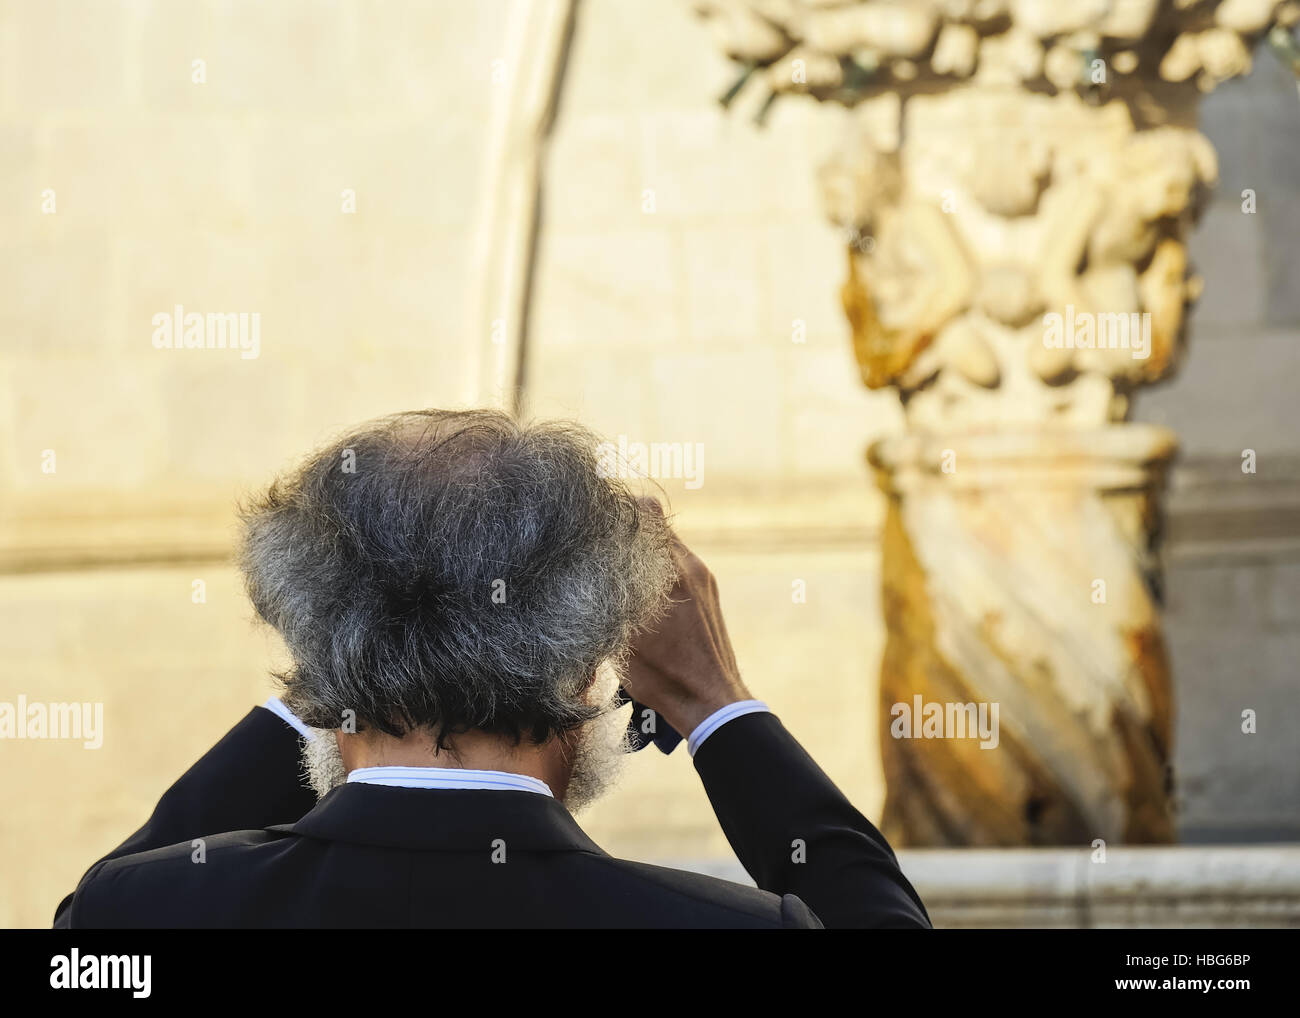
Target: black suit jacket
<point>377,856</point>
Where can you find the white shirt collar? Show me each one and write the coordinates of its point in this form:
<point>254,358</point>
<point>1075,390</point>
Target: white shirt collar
<point>449,777</point>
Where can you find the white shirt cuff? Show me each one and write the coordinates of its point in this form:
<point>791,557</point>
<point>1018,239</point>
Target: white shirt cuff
<point>288,717</point>
<point>720,717</point>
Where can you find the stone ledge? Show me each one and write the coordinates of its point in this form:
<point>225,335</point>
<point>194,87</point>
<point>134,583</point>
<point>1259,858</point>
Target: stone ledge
<point>1207,887</point>
<point>1214,513</point>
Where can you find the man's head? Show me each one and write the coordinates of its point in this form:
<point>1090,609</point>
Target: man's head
<point>455,581</point>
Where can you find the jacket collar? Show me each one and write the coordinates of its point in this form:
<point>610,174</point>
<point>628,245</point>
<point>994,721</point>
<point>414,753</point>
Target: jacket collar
<point>442,819</point>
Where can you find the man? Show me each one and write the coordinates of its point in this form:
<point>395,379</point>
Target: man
<point>461,595</point>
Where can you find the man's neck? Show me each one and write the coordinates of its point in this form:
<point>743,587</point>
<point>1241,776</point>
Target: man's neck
<point>468,751</point>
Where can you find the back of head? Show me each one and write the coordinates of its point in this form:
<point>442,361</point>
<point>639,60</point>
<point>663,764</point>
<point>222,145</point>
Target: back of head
<point>453,571</point>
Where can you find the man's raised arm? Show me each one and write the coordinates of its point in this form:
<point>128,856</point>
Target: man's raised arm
<point>792,829</point>
<point>796,833</point>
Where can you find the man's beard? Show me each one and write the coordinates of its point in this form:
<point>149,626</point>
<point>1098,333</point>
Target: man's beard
<point>601,746</point>
<point>322,763</point>
<point>599,750</point>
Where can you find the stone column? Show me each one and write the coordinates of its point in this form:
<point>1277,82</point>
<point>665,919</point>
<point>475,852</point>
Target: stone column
<point>1018,571</point>
<point>1016,186</point>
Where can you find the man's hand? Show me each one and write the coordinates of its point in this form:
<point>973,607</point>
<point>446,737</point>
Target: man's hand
<point>685,670</point>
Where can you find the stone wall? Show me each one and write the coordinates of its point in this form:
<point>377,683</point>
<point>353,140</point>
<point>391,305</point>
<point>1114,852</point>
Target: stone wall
<point>1233,564</point>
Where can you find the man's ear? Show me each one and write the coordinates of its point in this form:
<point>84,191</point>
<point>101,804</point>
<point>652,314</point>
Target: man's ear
<point>605,685</point>
<point>345,742</point>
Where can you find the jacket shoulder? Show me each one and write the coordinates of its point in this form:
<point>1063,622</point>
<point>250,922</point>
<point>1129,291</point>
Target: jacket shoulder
<point>701,900</point>
<point>144,888</point>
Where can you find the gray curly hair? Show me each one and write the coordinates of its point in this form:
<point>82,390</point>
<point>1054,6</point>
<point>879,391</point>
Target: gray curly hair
<point>453,570</point>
